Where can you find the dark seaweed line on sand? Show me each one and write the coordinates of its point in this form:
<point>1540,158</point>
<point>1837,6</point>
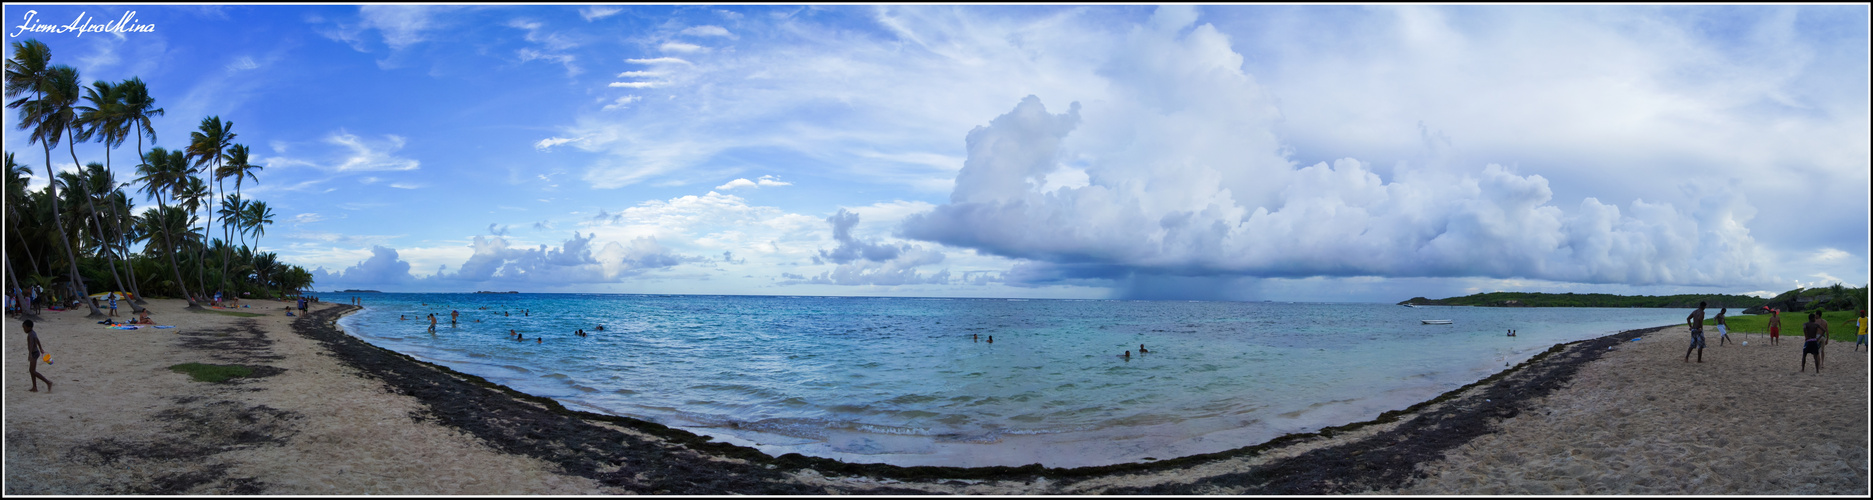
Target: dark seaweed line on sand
<point>547,430</point>
<point>1389,459</point>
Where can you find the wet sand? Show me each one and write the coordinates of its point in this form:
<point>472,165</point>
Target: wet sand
<point>329,414</point>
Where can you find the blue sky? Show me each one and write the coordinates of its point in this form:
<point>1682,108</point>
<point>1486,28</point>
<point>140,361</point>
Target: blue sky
<point>1331,153</point>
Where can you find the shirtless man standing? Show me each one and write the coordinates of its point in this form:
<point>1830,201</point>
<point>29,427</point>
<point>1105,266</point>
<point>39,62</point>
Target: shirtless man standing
<point>1775,327</point>
<point>1811,334</point>
<point>1696,319</point>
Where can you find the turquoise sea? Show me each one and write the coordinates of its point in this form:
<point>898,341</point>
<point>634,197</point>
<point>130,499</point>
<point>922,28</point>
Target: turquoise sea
<point>914,381</point>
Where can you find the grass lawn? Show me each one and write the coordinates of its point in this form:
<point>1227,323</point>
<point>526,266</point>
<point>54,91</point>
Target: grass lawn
<point>1841,326</point>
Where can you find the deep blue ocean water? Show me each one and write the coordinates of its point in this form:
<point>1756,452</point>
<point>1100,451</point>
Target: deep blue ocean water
<point>914,381</point>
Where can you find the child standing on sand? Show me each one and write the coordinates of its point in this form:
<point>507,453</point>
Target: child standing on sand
<point>34,350</point>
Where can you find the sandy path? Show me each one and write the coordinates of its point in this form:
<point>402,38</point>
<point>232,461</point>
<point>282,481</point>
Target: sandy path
<point>1641,421</point>
<point>120,422</point>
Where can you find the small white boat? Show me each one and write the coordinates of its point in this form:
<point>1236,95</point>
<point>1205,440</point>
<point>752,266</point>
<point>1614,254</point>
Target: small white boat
<point>1436,321</point>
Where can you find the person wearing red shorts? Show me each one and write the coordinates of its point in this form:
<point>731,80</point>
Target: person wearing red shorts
<point>1775,327</point>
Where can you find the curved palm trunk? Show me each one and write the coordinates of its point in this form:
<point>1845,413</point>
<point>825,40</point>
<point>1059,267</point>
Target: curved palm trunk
<point>225,239</point>
<point>70,257</point>
<point>118,220</point>
<point>19,296</point>
<point>169,248</point>
<point>135,289</point>
<point>13,221</point>
<point>103,247</point>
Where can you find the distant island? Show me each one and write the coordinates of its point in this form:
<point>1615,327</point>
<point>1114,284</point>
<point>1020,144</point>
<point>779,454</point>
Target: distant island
<point>485,291</point>
<point>357,291</point>
<point>1537,299</point>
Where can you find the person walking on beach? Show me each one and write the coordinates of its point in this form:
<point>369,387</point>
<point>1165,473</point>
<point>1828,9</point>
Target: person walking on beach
<point>1723,331</point>
<point>1775,327</point>
<point>1696,319</point>
<point>1861,340</point>
<point>1811,342</point>
<point>34,350</point>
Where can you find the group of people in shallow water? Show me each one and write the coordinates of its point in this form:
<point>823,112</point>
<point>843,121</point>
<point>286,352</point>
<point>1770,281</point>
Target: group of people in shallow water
<point>1814,334</point>
<point>1127,355</point>
<point>455,317</point>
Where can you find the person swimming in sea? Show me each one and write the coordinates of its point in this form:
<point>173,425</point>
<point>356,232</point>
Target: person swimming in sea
<point>580,332</point>
<point>991,339</point>
<point>1142,350</point>
<point>539,340</point>
<point>1127,355</point>
<point>599,328</point>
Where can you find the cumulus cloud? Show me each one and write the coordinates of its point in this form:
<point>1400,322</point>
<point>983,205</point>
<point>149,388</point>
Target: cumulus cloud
<point>382,269</point>
<point>573,262</point>
<point>866,262</point>
<point>1184,177</point>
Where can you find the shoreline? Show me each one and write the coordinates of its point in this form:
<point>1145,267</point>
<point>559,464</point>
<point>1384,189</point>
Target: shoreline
<point>1462,417</point>
<point>338,415</point>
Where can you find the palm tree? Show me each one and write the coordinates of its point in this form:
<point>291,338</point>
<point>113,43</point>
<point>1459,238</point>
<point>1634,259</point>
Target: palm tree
<point>49,114</point>
<point>236,166</point>
<point>258,216</point>
<point>172,220</point>
<point>193,196</point>
<point>138,108</point>
<point>96,178</point>
<point>15,189</point>
<point>206,146</point>
<point>107,119</point>
<point>163,172</point>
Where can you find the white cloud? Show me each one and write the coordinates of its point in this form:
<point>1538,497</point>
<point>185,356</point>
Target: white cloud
<point>401,25</point>
<point>356,154</point>
<point>707,30</point>
<point>242,63</point>
<point>1830,255</point>
<point>1184,177</point>
<point>621,102</point>
<point>640,74</point>
<point>637,85</point>
<point>765,181</point>
<point>659,61</point>
<point>686,48</point>
<point>735,184</point>
<point>596,12</point>
<point>549,142</point>
<point>566,60</point>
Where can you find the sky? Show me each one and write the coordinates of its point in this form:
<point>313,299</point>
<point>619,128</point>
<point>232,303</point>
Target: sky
<point>1338,153</point>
